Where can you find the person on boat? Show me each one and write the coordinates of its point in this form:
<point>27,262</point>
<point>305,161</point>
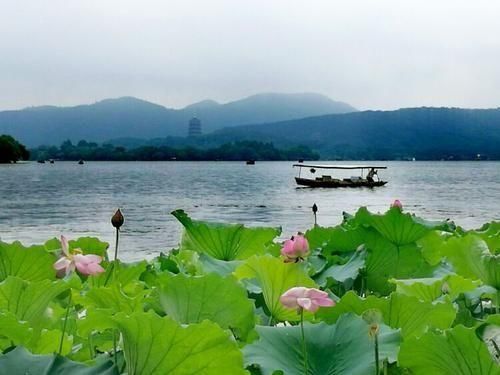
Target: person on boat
<point>371,174</point>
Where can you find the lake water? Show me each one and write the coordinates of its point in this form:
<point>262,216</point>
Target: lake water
<point>40,201</point>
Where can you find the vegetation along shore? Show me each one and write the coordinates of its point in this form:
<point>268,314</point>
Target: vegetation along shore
<point>379,293</point>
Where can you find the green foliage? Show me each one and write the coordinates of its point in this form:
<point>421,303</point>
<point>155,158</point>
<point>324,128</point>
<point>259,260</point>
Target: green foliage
<point>212,297</point>
<point>414,317</point>
<point>11,150</point>
<point>159,345</point>
<point>344,348</point>
<point>471,258</point>
<point>412,283</point>
<point>224,241</point>
<point>28,301</point>
<point>273,277</point>
<point>434,288</point>
<point>90,245</point>
<point>456,351</point>
<point>490,233</point>
<point>337,239</point>
<point>20,361</point>
<point>29,263</point>
<point>348,271</point>
<point>233,151</point>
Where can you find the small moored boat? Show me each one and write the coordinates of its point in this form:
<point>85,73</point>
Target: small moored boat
<point>81,162</point>
<point>328,181</point>
<point>250,162</point>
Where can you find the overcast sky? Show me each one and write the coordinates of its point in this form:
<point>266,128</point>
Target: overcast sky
<point>372,54</point>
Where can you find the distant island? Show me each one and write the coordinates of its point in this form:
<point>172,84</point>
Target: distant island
<point>236,151</point>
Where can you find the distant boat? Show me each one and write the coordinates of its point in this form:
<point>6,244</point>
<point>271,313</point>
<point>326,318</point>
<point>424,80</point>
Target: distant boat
<point>41,161</point>
<point>301,160</point>
<point>81,162</point>
<point>250,162</point>
<point>51,161</point>
<point>327,181</point>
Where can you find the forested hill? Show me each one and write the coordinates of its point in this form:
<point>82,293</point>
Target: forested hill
<point>135,118</point>
<point>423,133</point>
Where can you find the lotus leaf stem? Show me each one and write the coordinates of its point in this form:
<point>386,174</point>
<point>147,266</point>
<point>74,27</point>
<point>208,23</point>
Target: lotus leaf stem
<point>304,349</point>
<point>65,323</point>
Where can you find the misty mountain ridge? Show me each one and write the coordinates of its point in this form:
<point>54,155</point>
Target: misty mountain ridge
<point>424,133</point>
<point>136,118</point>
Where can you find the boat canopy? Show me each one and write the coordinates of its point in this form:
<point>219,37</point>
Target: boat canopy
<point>339,166</point>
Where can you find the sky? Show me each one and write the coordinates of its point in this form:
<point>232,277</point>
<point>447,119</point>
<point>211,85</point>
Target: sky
<point>383,54</point>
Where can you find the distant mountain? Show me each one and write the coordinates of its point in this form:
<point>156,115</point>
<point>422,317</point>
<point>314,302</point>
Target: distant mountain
<point>129,117</point>
<point>423,133</point>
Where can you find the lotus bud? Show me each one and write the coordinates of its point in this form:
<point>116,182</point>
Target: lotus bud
<point>445,288</point>
<point>295,249</point>
<point>373,330</point>
<point>315,210</point>
<point>397,204</point>
<point>117,220</point>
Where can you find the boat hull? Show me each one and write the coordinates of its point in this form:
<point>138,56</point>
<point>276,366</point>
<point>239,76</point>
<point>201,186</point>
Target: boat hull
<point>338,183</point>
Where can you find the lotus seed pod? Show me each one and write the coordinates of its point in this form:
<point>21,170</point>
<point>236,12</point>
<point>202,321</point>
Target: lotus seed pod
<point>117,219</point>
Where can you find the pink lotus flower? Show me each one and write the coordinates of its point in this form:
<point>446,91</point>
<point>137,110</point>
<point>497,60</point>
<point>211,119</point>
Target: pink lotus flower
<point>85,264</point>
<point>397,204</point>
<point>296,248</point>
<point>309,299</point>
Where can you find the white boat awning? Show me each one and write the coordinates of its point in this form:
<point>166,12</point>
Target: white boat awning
<point>339,166</point>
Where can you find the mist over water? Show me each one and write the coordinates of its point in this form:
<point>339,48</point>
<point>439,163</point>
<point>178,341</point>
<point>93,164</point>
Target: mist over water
<point>38,202</point>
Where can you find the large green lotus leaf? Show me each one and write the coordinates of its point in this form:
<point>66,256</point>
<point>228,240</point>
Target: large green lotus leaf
<point>343,348</point>
<point>29,300</point>
<point>457,351</point>
<point>343,272</point>
<point>221,267</point>
<point>471,258</point>
<point>386,261</point>
<point>29,263</point>
<point>275,277</point>
<point>224,241</point>
<point>192,299</point>
<point>318,236</point>
<point>95,320</point>
<point>13,329</point>
<point>20,361</point>
<point>490,233</point>
<point>337,239</point>
<point>48,341</point>
<point>159,345</point>
<point>430,289</point>
<point>115,299</point>
<point>19,333</point>
<point>397,227</point>
<point>118,273</point>
<point>414,317</point>
<point>90,245</point>
<point>432,246</point>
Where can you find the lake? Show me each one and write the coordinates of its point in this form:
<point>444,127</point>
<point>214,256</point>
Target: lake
<point>40,201</point>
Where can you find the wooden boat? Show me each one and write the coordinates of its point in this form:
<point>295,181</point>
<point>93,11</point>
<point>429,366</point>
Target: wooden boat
<point>327,181</point>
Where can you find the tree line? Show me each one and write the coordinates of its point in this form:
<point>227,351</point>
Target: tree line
<point>232,151</point>
<point>11,150</point>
